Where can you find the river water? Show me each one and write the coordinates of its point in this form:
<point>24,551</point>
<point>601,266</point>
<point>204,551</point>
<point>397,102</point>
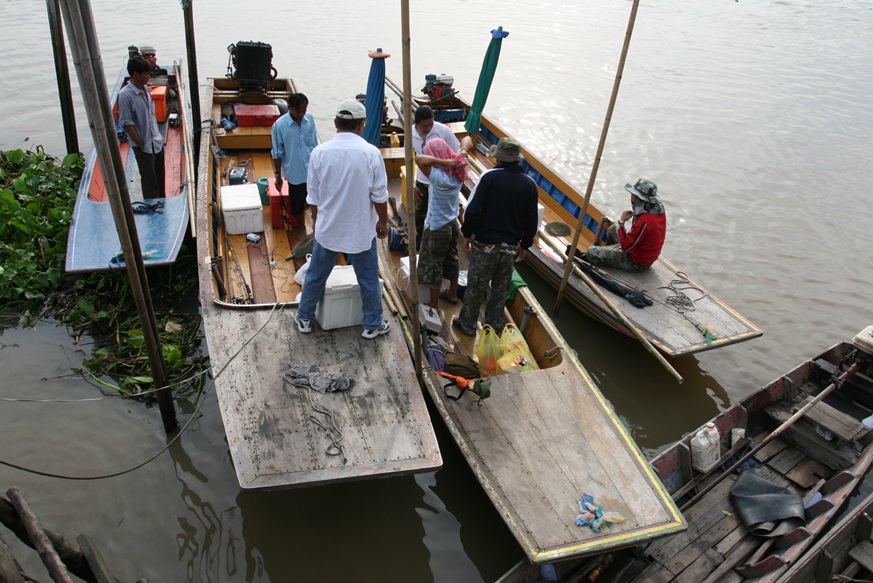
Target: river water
<point>753,117</point>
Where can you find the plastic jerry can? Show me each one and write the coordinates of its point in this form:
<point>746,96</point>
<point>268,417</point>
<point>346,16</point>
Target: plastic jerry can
<point>706,448</point>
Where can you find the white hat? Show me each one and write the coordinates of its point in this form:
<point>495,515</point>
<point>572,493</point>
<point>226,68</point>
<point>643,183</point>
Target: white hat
<point>351,109</point>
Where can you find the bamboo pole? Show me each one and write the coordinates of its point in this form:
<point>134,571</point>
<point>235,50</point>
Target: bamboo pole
<point>410,181</point>
<point>556,247</point>
<point>43,546</point>
<point>582,212</point>
<point>89,68</point>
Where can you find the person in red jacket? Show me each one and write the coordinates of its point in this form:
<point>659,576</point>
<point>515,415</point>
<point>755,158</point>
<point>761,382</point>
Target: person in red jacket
<point>635,250</point>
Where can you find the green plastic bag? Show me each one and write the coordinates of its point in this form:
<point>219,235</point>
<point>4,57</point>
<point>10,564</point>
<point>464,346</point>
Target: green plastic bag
<point>488,350</point>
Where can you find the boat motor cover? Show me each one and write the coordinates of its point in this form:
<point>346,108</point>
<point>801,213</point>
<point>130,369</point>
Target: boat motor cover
<point>762,505</point>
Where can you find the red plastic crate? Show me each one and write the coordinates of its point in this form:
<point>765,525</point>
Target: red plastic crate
<point>251,116</point>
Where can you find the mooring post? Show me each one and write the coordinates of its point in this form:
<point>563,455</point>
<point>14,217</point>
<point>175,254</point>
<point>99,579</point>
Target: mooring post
<point>68,114</point>
<point>89,68</point>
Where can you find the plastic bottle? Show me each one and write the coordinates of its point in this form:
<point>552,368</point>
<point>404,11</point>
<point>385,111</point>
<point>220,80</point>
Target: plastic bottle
<point>705,448</point>
<point>395,140</point>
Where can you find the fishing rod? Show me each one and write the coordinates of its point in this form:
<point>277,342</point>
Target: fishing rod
<point>250,299</point>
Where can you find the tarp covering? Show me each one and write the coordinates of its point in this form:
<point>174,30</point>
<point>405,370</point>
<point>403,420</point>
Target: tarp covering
<point>486,76</point>
<point>375,99</point>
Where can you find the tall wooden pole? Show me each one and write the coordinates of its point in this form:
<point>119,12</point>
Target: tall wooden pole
<point>193,86</point>
<point>568,267</point>
<point>89,69</point>
<point>410,181</point>
<point>68,113</point>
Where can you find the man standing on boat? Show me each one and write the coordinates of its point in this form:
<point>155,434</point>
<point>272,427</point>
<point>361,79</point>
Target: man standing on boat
<point>294,138</point>
<point>426,128</point>
<point>499,226</point>
<point>136,114</point>
<point>348,198</point>
<point>637,250</point>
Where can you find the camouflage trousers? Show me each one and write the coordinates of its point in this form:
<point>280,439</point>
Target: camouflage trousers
<point>611,255</point>
<point>488,264</point>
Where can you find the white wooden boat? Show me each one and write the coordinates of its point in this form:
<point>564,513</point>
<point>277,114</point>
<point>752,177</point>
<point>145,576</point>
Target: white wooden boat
<point>276,433</point>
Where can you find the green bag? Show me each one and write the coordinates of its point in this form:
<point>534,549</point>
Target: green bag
<point>461,365</point>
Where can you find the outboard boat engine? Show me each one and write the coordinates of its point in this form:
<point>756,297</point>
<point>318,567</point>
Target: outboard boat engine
<point>439,87</point>
<point>251,63</point>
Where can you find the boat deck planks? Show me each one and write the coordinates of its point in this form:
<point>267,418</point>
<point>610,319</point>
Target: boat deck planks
<point>276,437</point>
<point>542,439</point>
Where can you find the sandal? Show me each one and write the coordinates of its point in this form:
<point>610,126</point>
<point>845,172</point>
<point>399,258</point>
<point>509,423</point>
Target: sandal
<point>444,296</point>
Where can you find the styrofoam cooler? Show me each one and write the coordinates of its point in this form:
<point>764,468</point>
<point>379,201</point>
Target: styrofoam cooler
<point>541,212</point>
<point>241,209</point>
<point>423,290</point>
<point>341,305</point>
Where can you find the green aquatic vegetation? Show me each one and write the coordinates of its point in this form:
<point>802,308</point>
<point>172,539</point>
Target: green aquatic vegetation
<point>103,305</point>
<point>37,197</point>
<point>37,194</point>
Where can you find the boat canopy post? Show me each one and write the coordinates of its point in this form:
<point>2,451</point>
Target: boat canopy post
<point>483,86</point>
<point>68,113</point>
<point>410,182</point>
<point>375,96</point>
<point>568,266</point>
<point>584,209</point>
<point>193,87</point>
<point>89,68</point>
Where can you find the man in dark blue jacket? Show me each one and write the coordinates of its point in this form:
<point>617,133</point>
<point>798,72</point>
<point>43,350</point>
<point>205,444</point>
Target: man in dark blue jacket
<point>499,226</point>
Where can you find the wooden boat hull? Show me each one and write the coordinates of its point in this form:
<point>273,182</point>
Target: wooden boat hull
<point>93,243</point>
<point>277,433</point>
<point>717,545</point>
<point>543,438</point>
<point>673,332</point>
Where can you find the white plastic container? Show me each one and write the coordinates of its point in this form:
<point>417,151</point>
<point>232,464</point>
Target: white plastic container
<point>241,209</point>
<point>341,304</point>
<point>864,340</point>
<point>423,290</point>
<point>541,212</point>
<point>705,448</point>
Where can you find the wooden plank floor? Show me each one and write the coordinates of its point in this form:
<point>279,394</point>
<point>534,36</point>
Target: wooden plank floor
<point>716,541</point>
<point>283,436</point>
<point>541,440</point>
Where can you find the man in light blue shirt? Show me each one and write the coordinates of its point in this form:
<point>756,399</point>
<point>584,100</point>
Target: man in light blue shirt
<point>136,114</point>
<point>294,138</point>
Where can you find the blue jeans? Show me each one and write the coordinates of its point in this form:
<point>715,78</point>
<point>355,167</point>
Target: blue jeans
<point>366,265</point>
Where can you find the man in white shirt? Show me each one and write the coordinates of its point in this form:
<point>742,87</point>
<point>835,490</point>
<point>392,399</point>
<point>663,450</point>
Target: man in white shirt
<point>426,128</point>
<point>348,197</point>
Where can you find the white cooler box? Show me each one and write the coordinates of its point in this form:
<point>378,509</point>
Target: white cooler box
<point>242,210</point>
<point>341,305</point>
<point>423,290</point>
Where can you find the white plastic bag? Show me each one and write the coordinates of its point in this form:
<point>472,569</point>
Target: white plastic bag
<point>300,274</point>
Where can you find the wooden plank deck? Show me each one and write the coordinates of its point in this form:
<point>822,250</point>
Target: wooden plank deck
<point>279,435</point>
<point>543,439</point>
<point>276,437</point>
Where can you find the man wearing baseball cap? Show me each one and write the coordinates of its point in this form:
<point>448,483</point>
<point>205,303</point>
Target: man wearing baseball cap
<point>637,250</point>
<point>347,190</point>
<point>499,226</point>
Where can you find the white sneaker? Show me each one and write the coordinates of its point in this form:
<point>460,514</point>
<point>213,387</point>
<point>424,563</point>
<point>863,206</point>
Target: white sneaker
<point>304,326</point>
<point>382,329</point>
